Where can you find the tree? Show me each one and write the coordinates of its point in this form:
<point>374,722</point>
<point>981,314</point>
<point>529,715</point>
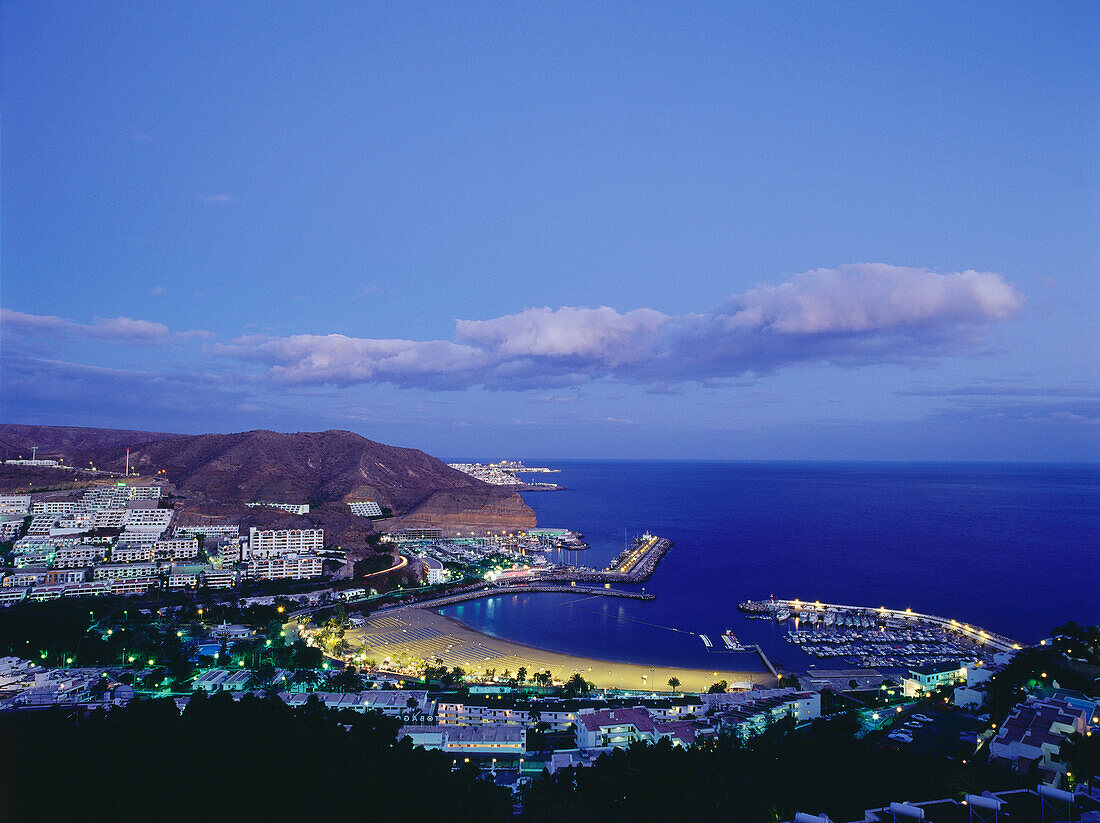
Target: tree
<point>576,686</point>
<point>718,688</point>
<point>345,681</point>
<point>1082,753</point>
<point>521,674</point>
<point>306,677</point>
<point>674,683</point>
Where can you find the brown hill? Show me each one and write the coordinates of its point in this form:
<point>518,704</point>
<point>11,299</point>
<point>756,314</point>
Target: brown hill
<point>62,441</point>
<point>324,469</point>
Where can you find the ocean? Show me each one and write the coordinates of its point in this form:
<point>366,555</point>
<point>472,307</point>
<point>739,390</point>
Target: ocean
<point>1013,548</point>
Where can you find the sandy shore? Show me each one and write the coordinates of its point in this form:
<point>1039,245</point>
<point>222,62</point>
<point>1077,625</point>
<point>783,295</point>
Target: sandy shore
<point>427,635</point>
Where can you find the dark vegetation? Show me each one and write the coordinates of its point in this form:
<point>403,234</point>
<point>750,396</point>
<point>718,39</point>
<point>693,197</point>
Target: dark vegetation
<point>771,777</point>
<point>115,632</point>
<point>221,760</point>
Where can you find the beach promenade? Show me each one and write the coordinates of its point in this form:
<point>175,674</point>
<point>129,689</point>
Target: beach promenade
<point>412,632</point>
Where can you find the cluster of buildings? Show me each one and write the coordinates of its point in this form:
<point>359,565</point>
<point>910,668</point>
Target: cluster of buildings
<point>24,684</point>
<point>496,725</point>
<point>1030,739</point>
<point>119,539</point>
<point>488,473</point>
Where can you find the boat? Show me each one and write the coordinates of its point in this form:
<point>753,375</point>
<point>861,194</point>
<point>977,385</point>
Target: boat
<point>782,614</point>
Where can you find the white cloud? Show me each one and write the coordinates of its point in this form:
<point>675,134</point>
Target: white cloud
<point>852,316</point>
<point>20,326</point>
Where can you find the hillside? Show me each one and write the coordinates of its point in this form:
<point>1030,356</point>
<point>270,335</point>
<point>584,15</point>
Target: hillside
<point>56,441</point>
<point>324,469</point>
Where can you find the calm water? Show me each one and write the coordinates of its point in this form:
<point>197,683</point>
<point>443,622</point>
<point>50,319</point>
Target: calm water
<point>1010,548</point>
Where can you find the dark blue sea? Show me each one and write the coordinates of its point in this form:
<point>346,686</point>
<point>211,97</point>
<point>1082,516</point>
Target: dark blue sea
<point>1011,548</point>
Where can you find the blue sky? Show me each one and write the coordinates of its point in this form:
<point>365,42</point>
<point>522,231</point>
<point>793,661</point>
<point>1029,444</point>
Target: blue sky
<point>621,230</point>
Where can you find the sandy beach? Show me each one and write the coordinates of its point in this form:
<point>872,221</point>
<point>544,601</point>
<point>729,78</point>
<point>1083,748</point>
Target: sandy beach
<point>412,632</point>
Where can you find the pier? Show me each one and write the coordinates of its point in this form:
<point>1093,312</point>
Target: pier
<point>634,566</point>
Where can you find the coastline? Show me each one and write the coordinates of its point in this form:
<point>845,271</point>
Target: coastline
<point>429,635</point>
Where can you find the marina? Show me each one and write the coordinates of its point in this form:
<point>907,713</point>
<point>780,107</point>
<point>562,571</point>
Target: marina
<point>869,637</point>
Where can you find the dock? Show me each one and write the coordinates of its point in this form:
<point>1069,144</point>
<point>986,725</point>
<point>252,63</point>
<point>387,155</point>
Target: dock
<point>706,641</point>
<point>634,566</point>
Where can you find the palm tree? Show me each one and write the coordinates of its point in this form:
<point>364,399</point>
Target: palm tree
<point>1070,629</point>
<point>674,683</point>
<point>306,677</point>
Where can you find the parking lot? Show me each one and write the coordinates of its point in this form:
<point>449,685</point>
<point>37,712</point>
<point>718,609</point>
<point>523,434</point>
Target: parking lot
<point>939,736</point>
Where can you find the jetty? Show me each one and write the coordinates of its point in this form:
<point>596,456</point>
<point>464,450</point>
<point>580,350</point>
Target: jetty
<point>635,565</point>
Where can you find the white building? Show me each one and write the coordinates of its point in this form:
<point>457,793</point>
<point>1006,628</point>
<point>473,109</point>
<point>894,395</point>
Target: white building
<point>507,742</point>
<point>131,553</point>
<point>285,566</point>
<point>928,678</point>
<point>392,702</point>
<point>436,573</point>
<point>78,556</point>
<point>219,578</point>
<point>176,549</point>
<point>15,503</point>
<point>105,497</point>
<point>277,542</point>
<point>293,508</point>
<point>54,507</point>
<point>109,518</point>
<point>135,585</point>
<point>121,571</point>
<point>365,508</point>
<point>141,518</point>
<point>10,595</point>
<point>210,531</point>
<point>42,523</point>
<point>9,529</point>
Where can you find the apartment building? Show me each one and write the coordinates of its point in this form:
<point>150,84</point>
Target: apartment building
<point>506,742</point>
<point>365,508</point>
<point>109,518</point>
<point>277,542</point>
<point>131,553</point>
<point>293,508</point>
<point>78,556</point>
<point>176,549</point>
<point>286,566</point>
<point>143,518</point>
<point>15,503</point>
<point>136,585</point>
<point>42,523</point>
<point>53,507</point>
<point>211,531</point>
<point>122,571</point>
